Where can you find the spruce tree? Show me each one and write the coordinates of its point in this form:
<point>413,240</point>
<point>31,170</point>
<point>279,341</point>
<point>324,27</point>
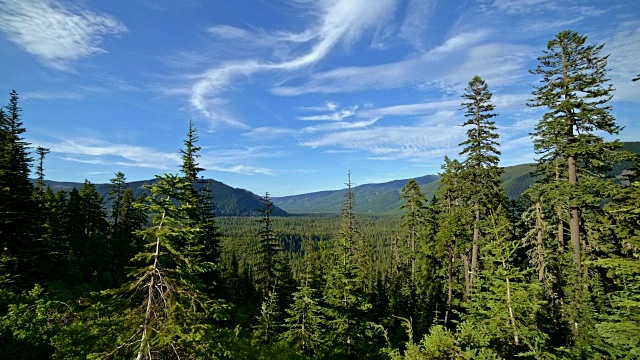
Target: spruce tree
<point>346,304</point>
<point>572,182</point>
<point>41,151</point>
<point>414,206</point>
<point>303,326</point>
<point>268,267</point>
<point>162,311</point>
<point>21,245</point>
<point>189,166</point>
<point>481,172</point>
<point>575,92</point>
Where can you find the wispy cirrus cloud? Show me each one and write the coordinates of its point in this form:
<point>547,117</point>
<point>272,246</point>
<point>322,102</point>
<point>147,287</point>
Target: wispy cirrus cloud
<point>337,22</point>
<point>90,150</point>
<point>448,66</point>
<point>54,33</point>
<point>99,152</point>
<point>335,112</point>
<point>51,95</point>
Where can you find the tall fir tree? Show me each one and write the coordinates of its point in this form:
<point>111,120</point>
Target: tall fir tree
<point>21,245</point>
<point>483,190</point>
<point>268,268</point>
<point>413,217</point>
<point>573,180</point>
<point>575,92</point>
<point>162,311</point>
<point>346,304</point>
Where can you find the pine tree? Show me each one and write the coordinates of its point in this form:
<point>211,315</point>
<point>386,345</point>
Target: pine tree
<point>619,323</point>
<point>574,89</point>
<point>21,245</point>
<point>481,172</point>
<point>454,224</point>
<point>94,251</point>
<point>161,311</point>
<point>41,151</point>
<point>268,267</point>
<point>304,323</point>
<point>119,239</point>
<point>190,155</point>
<point>346,304</point>
<point>414,206</point>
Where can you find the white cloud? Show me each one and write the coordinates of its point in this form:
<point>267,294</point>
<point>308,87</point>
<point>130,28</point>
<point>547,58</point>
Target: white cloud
<point>416,22</point>
<point>51,95</point>
<point>414,143</point>
<point>243,169</point>
<point>447,67</point>
<point>411,109</point>
<point>624,61</point>
<point>335,114</point>
<point>338,21</point>
<point>54,33</point>
<point>96,150</point>
<point>343,125</point>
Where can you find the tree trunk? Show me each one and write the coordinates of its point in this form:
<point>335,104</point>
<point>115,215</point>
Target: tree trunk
<point>540,241</point>
<point>467,278</point>
<point>474,250</point>
<point>144,341</point>
<point>559,211</point>
<point>511,316</point>
<point>450,286</point>
<point>574,224</point>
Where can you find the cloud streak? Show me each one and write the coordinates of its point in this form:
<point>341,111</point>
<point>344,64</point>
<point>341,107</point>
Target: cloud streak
<point>54,33</point>
<point>338,21</point>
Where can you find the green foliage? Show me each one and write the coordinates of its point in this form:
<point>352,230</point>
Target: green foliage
<point>304,322</point>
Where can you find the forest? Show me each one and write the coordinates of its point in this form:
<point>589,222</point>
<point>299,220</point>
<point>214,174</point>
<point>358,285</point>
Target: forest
<point>465,274</point>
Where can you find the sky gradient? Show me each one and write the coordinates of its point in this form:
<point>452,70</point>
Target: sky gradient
<point>288,97</point>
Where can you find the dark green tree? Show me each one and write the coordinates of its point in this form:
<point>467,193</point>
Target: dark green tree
<point>162,311</point>
<point>190,155</point>
<point>481,172</point>
<point>269,267</point>
<point>41,151</point>
<point>413,218</point>
<point>303,326</point>
<point>346,304</point>
<point>21,245</point>
<point>575,92</point>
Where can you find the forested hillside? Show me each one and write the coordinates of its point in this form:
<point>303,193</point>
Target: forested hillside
<point>229,201</point>
<point>465,274</point>
<point>385,198</point>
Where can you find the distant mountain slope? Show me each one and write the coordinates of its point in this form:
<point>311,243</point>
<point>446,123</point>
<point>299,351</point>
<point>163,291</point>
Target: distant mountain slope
<point>381,198</point>
<point>385,198</point>
<point>229,201</point>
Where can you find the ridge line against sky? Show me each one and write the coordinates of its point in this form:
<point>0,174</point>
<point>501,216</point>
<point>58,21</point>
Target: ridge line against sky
<point>288,97</point>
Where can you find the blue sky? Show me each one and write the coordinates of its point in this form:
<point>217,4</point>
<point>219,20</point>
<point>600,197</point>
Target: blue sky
<point>288,96</point>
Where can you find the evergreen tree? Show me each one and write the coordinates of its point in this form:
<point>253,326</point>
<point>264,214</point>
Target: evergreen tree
<point>454,224</point>
<point>162,311</point>
<point>41,151</point>
<point>119,238</point>
<point>346,305</point>
<point>190,155</point>
<point>304,323</point>
<point>481,172</point>
<point>619,323</point>
<point>268,267</point>
<point>574,89</point>
<point>573,176</point>
<point>21,245</point>
<point>414,206</point>
<point>269,320</point>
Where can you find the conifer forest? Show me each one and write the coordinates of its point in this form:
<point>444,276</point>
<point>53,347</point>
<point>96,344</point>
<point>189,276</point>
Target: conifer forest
<point>465,274</point>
